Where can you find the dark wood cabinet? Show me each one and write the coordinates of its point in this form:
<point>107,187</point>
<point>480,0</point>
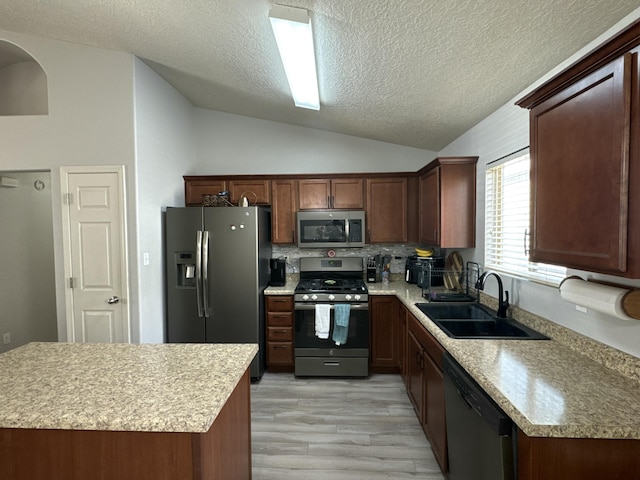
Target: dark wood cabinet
<point>426,387</point>
<point>279,324</point>
<point>326,193</point>
<point>585,161</point>
<point>283,211</point>
<point>195,187</point>
<point>542,458</point>
<point>447,203</point>
<point>384,338</point>
<point>580,172</point>
<point>258,192</point>
<point>387,209</point>
<point>415,373</point>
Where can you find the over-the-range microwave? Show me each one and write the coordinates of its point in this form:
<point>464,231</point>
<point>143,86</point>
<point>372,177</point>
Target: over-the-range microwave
<point>331,228</point>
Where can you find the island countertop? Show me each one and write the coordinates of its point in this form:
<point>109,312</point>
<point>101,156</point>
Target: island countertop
<point>119,387</point>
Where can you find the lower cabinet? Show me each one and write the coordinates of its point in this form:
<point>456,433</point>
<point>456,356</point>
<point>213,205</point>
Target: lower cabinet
<point>426,386</point>
<point>385,333</point>
<point>279,313</point>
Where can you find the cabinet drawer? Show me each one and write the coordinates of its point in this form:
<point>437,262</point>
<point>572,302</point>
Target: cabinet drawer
<point>279,319</point>
<point>279,353</point>
<point>280,334</point>
<point>279,303</point>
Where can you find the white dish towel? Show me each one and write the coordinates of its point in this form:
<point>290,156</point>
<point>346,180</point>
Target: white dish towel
<point>323,316</point>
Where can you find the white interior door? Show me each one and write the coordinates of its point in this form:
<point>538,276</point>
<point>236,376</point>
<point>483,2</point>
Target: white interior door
<point>95,251</point>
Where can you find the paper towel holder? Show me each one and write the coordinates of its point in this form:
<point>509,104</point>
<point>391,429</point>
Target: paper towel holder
<point>629,302</point>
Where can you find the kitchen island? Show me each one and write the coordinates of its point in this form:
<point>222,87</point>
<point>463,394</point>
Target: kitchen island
<point>121,411</point>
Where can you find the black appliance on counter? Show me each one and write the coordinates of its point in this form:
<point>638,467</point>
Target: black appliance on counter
<point>417,270</point>
<point>278,272</point>
<point>331,282</point>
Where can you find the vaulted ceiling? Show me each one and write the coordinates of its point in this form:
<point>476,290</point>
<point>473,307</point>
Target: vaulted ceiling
<point>408,72</point>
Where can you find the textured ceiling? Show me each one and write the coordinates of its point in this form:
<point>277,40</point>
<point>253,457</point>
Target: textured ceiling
<point>409,72</point>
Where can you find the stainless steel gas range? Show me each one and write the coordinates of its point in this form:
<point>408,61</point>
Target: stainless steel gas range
<point>331,324</point>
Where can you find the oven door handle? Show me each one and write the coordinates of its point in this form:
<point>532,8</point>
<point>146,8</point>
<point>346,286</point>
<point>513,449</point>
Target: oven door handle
<point>312,306</point>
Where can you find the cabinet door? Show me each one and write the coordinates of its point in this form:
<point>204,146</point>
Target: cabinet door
<point>415,364</point>
<point>347,193</point>
<point>384,330</point>
<point>194,189</point>
<point>256,191</point>
<point>579,172</point>
<point>434,415</point>
<point>429,208</point>
<point>314,193</point>
<point>401,337</point>
<point>387,210</point>
<point>283,211</point>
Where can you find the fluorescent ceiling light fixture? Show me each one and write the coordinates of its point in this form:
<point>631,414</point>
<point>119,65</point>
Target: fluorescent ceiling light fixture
<point>292,29</point>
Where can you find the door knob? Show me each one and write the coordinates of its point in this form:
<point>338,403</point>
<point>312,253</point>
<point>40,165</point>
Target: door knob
<point>113,300</point>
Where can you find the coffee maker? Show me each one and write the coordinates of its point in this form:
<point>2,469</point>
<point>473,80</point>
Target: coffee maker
<point>278,272</point>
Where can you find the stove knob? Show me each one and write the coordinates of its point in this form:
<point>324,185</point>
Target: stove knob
<point>347,297</point>
<point>357,297</point>
<point>305,297</point>
<point>314,297</point>
<point>332,297</point>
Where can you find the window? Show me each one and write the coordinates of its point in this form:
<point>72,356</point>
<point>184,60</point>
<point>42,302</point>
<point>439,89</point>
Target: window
<point>507,221</point>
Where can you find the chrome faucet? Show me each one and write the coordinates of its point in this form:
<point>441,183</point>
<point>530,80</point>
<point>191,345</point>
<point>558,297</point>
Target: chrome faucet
<point>503,295</point>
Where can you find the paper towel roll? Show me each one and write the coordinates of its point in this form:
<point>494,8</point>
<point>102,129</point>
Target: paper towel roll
<point>601,298</point>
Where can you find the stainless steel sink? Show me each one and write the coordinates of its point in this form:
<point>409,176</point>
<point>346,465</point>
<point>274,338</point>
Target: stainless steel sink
<point>472,320</point>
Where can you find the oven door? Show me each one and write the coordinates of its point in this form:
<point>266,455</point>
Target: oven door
<point>305,329</point>
<point>322,356</point>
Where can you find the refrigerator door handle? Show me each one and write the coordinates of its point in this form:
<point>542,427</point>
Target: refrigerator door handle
<point>199,274</point>
<point>205,273</point>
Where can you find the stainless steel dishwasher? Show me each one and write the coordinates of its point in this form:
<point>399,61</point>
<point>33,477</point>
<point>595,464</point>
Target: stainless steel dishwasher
<point>480,436</point>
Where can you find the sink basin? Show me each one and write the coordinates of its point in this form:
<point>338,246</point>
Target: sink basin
<point>472,320</point>
<point>437,311</point>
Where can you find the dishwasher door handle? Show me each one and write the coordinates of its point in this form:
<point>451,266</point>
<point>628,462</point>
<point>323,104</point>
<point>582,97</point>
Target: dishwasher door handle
<point>470,401</point>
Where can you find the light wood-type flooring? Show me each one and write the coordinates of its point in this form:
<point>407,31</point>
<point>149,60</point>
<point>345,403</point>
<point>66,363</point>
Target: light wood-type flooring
<point>337,429</point>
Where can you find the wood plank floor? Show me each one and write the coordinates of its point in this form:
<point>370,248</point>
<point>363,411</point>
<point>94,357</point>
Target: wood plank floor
<point>337,429</point>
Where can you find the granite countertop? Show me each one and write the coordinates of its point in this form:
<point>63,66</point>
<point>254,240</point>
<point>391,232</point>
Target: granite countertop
<point>548,387</point>
<point>123,387</point>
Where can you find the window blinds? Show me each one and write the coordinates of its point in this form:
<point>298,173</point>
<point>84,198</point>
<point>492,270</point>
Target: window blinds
<point>507,221</point>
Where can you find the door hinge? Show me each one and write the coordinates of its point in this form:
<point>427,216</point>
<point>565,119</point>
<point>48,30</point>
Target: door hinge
<point>67,198</point>
<point>70,282</point>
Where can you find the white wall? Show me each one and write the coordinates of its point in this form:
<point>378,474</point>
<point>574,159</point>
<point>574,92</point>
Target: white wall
<point>27,293</point>
<point>164,152</point>
<point>504,132</point>
<point>90,122</point>
<point>233,144</point>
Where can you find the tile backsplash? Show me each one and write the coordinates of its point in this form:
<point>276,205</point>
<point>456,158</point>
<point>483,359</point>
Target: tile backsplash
<point>398,253</point>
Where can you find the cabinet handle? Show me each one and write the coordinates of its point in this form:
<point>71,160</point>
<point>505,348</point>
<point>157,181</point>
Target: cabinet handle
<point>281,331</point>
<point>280,346</point>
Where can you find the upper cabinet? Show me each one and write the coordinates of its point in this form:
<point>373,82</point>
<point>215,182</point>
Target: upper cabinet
<point>283,210</point>
<point>257,191</point>
<point>325,193</point>
<point>585,162</point>
<point>387,209</point>
<point>447,203</point>
<point>196,187</point>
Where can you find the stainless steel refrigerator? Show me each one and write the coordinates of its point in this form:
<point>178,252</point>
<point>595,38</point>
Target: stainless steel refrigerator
<point>217,265</point>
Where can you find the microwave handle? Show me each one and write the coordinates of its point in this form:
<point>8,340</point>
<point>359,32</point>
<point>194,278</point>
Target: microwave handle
<point>347,229</point>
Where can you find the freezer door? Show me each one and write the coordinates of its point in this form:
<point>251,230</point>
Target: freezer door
<point>184,325</point>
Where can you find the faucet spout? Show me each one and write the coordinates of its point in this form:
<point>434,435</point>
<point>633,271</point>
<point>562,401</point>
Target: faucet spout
<point>503,296</point>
